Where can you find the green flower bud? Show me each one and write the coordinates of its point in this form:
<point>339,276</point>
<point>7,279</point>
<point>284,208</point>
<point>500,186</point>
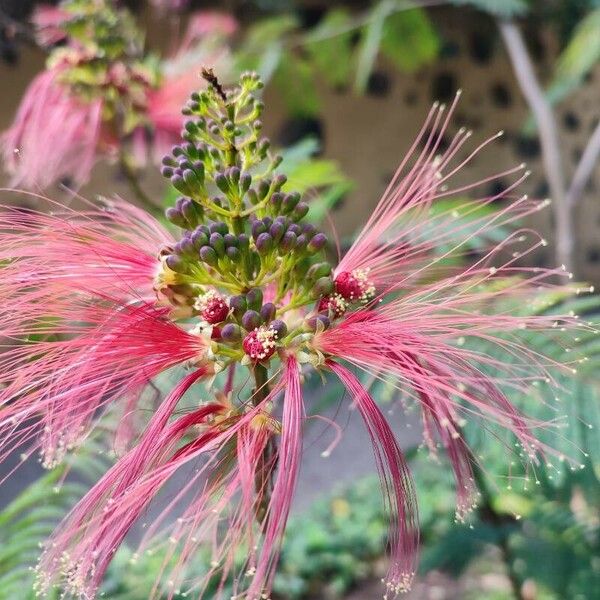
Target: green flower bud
<point>254,297</point>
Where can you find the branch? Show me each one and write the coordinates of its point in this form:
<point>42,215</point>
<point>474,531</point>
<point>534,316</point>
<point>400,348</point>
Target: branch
<point>549,139</point>
<point>585,168</point>
<point>134,184</point>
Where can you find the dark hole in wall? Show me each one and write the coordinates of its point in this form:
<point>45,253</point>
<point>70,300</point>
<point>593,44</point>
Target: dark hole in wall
<point>379,84</point>
<point>501,95</point>
<point>443,87</point>
<point>297,128</point>
<point>481,46</point>
<point>527,147</point>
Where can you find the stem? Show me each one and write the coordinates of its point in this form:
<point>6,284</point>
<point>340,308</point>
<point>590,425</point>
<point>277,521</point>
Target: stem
<point>488,514</point>
<point>132,179</point>
<point>549,139</point>
<point>264,481</point>
<point>585,168</point>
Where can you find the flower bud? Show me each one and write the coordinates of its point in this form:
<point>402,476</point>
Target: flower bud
<point>263,188</point>
<point>167,171</point>
<point>208,255</point>
<point>234,175</point>
<point>290,202</point>
<point>192,211</point>
<point>300,211</point>
<point>301,242</point>
<point>252,196</point>
<point>317,243</point>
<point>231,332</point>
<point>323,287</point>
<point>288,241</point>
<point>260,344</point>
<point>199,239</point>
<point>231,240</point>
<point>318,323</point>
<point>276,200</point>
<point>276,231</point>
<point>309,230</point>
<point>251,320</point>
<point>233,254</point>
<point>186,246</point>
<point>239,305</point>
<point>244,241</point>
<point>218,227</point>
<point>176,263</point>
<point>258,227</point>
<point>279,181</point>
<point>264,243</point>
<point>222,183</point>
<point>175,217</point>
<point>245,182</point>
<point>254,297</point>
<point>268,311</point>
<point>279,327</point>
<point>296,229</point>
<point>217,244</point>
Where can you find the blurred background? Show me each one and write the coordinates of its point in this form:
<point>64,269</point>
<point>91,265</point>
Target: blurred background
<point>348,86</point>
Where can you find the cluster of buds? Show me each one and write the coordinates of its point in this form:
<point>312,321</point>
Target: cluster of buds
<point>247,264</point>
<point>104,59</point>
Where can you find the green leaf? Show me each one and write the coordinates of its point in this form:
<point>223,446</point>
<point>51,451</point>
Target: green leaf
<point>330,47</point>
<point>579,57</point>
<point>370,43</point>
<point>409,39</point>
<point>294,79</point>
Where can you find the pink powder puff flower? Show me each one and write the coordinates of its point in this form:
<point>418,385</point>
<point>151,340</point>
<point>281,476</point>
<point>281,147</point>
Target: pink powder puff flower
<point>54,135</point>
<point>115,301</point>
<point>47,21</point>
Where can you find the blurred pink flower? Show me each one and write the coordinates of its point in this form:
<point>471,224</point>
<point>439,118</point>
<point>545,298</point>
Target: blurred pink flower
<point>54,135</point>
<point>47,20</point>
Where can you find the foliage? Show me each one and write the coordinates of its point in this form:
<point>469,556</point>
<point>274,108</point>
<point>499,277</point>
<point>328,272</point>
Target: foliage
<point>342,49</point>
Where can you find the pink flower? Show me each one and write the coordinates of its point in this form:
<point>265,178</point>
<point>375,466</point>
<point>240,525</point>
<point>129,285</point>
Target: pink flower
<point>54,135</point>
<point>114,302</point>
<point>48,21</point>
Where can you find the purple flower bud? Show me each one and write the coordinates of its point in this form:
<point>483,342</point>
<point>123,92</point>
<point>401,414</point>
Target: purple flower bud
<point>217,243</point>
<point>218,227</point>
<point>276,200</point>
<point>295,229</point>
<point>231,332</point>
<point>199,239</point>
<point>231,240</point>
<point>177,151</point>
<point>254,297</point>
<point>222,183</point>
<point>268,311</point>
<point>279,327</point>
<point>317,243</point>
<point>192,211</point>
<point>279,181</point>
<point>288,241</point>
<point>318,322</point>
<point>264,243</point>
<point>268,222</point>
<point>301,241</point>
<point>190,177</point>
<point>234,175</point>
<point>204,229</point>
<point>208,255</point>
<point>251,320</point>
<point>277,230</point>
<point>244,241</point>
<point>245,182</point>
<point>167,172</point>
<point>177,182</point>
<point>239,305</point>
<point>175,217</point>
<point>186,246</point>
<point>300,211</point>
<point>290,201</point>
<point>258,227</point>
<point>252,196</point>
<point>233,254</point>
<point>168,161</point>
<point>309,230</point>
<point>262,188</point>
<point>176,263</point>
